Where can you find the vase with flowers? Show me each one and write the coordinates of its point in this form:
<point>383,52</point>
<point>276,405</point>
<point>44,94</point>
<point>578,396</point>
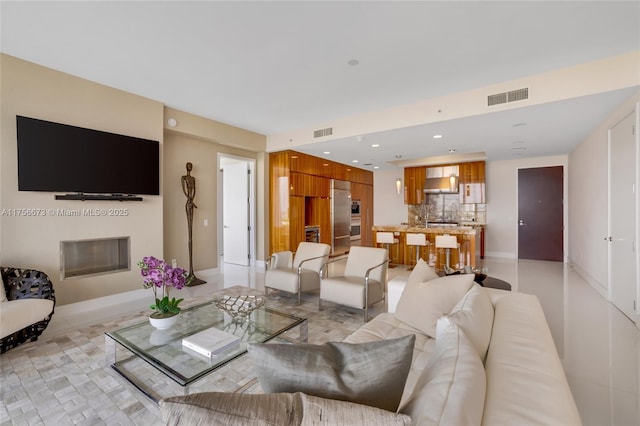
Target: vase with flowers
<point>162,277</point>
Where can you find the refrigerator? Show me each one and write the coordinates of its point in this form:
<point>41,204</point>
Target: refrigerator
<point>340,216</point>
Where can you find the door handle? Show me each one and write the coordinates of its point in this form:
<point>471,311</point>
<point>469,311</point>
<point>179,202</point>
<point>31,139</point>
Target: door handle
<point>225,226</point>
<point>608,239</point>
<point>521,223</point>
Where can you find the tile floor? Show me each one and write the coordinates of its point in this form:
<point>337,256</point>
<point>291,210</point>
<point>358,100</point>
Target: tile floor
<point>599,346</point>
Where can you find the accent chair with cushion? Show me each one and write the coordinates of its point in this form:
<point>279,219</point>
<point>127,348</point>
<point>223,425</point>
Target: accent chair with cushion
<point>26,306</point>
<point>297,273</point>
<point>363,281</point>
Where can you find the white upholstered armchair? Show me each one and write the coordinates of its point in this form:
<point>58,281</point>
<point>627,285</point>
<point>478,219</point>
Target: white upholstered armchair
<point>362,283</point>
<point>299,273</point>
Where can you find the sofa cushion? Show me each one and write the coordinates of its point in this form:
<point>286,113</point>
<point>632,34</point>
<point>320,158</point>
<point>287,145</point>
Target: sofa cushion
<point>422,272</point>
<point>526,382</point>
<point>217,408</point>
<point>18,314</point>
<point>421,304</point>
<point>452,388</point>
<point>474,314</point>
<point>372,373</point>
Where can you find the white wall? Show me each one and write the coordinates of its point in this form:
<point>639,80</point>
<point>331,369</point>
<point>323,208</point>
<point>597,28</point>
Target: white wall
<point>388,206</point>
<point>588,205</point>
<point>501,236</point>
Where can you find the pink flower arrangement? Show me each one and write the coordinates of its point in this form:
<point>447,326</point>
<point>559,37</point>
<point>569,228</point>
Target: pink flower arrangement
<point>158,274</point>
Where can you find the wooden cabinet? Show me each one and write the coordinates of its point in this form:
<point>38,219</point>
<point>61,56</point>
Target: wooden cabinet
<point>414,184</point>
<point>299,195</point>
<point>473,172</point>
<point>364,193</point>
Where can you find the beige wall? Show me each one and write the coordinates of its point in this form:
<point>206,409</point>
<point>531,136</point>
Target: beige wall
<point>588,184</point>
<point>199,141</point>
<point>34,242</point>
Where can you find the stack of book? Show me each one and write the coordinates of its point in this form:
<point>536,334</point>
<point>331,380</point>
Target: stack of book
<point>210,342</point>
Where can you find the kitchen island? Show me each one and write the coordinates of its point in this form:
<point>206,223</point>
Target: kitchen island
<point>401,253</point>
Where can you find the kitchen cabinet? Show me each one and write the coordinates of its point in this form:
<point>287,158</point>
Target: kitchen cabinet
<point>364,193</point>
<point>472,172</point>
<point>414,184</point>
<point>299,195</point>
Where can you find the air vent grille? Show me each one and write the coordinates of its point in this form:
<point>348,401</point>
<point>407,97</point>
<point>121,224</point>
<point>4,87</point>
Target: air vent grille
<point>512,96</point>
<point>323,132</point>
<point>500,98</point>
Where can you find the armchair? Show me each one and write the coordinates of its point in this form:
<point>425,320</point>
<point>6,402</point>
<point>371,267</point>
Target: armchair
<point>299,273</point>
<point>363,282</point>
<point>27,301</point>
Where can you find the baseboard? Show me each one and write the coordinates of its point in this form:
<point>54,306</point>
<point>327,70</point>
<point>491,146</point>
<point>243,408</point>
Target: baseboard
<point>100,302</point>
<point>597,286</point>
<point>504,255</point>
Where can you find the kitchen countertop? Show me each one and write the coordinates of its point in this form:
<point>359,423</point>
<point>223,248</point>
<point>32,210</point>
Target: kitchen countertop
<point>466,230</point>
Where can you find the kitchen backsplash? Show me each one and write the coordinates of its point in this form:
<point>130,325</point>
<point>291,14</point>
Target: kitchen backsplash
<point>446,208</point>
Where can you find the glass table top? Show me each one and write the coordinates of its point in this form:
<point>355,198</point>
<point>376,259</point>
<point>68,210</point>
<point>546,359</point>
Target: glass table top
<point>163,348</point>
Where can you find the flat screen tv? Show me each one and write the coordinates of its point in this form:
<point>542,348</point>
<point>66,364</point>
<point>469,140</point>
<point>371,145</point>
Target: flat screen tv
<point>57,157</point>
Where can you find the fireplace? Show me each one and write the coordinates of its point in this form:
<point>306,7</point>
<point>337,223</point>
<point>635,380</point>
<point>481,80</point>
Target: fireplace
<point>82,258</point>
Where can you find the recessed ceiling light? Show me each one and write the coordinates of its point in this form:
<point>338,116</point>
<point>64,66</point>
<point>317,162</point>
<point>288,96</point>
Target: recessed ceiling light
<point>437,136</point>
<point>327,152</point>
<point>353,62</point>
<point>376,167</point>
<point>354,161</point>
<point>519,124</point>
<point>375,145</point>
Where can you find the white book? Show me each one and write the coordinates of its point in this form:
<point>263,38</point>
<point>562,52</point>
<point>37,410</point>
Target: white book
<point>210,342</point>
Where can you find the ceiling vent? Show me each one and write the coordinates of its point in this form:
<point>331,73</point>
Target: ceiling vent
<point>323,132</point>
<point>512,96</point>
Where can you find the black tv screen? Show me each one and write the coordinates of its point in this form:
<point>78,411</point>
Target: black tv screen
<point>57,157</point>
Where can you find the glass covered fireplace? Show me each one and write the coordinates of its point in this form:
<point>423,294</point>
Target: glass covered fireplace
<point>82,258</point>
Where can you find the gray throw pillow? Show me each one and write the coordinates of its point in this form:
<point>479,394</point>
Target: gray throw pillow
<point>372,373</point>
<point>237,409</point>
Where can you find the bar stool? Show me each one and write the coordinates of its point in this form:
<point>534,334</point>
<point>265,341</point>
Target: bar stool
<point>386,238</point>
<point>417,240</point>
<point>446,242</point>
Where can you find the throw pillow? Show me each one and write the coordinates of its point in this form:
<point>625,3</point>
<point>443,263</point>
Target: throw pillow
<point>451,389</point>
<point>422,272</point>
<point>224,409</point>
<point>371,373</point>
<point>421,304</point>
<point>474,314</point>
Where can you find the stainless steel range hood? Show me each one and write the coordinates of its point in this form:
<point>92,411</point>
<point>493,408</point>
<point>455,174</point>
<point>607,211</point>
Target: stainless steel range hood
<point>443,185</point>
<point>441,180</point>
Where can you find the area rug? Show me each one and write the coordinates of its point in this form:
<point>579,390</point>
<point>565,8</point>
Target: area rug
<point>63,380</point>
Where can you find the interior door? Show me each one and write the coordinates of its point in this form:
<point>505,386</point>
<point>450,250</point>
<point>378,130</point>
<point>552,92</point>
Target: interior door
<point>540,213</point>
<point>235,211</point>
<point>622,212</point>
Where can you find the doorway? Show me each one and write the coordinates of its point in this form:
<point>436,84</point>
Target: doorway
<point>540,213</point>
<point>623,166</point>
<point>236,209</point>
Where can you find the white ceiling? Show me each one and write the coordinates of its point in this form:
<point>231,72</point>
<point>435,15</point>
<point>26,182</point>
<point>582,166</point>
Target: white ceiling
<point>274,67</point>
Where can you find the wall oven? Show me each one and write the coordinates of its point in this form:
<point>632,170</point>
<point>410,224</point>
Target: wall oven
<point>355,208</point>
<point>355,230</point>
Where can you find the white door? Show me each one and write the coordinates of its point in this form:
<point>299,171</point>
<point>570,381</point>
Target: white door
<point>623,163</point>
<point>235,211</point>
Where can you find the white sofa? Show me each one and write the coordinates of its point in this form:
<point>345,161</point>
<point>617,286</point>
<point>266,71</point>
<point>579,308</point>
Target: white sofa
<point>480,357</point>
<point>525,380</point>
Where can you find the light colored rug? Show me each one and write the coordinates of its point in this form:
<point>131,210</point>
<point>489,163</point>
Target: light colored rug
<point>63,380</point>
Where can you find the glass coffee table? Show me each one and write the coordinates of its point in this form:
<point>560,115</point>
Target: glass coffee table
<point>163,350</point>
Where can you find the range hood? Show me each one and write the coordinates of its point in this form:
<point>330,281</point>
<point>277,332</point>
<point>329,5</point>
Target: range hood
<point>441,185</point>
<point>441,180</point>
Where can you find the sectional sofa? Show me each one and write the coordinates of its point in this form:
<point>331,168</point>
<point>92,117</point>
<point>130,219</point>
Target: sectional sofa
<point>479,356</point>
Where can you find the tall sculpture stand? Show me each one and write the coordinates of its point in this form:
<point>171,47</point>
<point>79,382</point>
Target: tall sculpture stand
<point>189,189</point>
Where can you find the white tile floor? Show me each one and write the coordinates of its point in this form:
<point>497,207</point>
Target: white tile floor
<point>599,346</point>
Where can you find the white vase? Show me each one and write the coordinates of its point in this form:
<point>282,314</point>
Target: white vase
<point>163,323</point>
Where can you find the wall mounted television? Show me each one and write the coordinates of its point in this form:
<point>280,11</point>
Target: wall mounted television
<point>55,157</point>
